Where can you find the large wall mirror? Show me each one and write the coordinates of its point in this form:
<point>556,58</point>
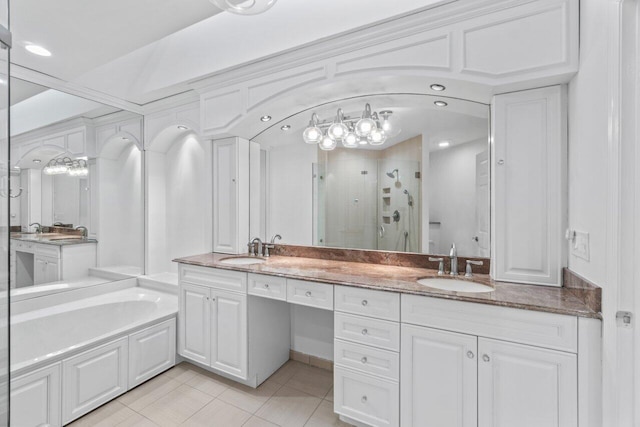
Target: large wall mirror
<point>420,185</point>
<point>76,189</point>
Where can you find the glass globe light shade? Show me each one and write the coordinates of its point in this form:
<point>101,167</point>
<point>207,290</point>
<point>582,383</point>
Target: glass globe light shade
<point>328,144</point>
<point>351,140</point>
<point>377,137</point>
<point>244,7</point>
<point>337,131</point>
<point>312,135</point>
<point>365,126</point>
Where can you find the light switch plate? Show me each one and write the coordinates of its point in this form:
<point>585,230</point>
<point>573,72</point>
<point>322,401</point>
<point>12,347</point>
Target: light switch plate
<point>580,245</point>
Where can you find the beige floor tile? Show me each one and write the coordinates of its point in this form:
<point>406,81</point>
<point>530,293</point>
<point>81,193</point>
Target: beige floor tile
<point>289,407</point>
<point>107,415</point>
<point>325,417</point>
<point>177,406</point>
<point>287,371</point>
<point>211,384</point>
<point>137,420</point>
<point>247,398</point>
<point>258,422</point>
<point>147,393</point>
<point>182,372</point>
<point>218,414</point>
<point>314,381</point>
<point>329,395</point>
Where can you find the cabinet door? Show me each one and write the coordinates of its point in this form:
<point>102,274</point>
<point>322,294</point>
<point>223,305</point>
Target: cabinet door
<point>52,269</point>
<point>93,378</point>
<point>194,323</point>
<point>529,179</point>
<point>525,386</point>
<point>35,398</point>
<point>229,333</point>
<point>438,378</point>
<point>45,269</point>
<point>151,351</point>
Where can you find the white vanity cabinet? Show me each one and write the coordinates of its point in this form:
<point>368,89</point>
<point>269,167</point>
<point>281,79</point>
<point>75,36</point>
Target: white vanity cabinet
<point>529,140</point>
<point>449,378</point>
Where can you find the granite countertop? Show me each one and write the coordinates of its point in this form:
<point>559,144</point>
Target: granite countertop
<point>56,239</point>
<point>558,300</point>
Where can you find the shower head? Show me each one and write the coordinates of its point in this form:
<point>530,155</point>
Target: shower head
<point>391,174</point>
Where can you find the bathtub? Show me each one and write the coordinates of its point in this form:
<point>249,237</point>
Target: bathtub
<point>99,346</point>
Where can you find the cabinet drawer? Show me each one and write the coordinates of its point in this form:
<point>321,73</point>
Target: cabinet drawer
<point>367,399</point>
<point>313,294</point>
<point>365,330</point>
<point>213,277</point>
<point>47,250</point>
<point>368,359</point>
<point>549,330</point>
<point>378,304</point>
<point>267,286</point>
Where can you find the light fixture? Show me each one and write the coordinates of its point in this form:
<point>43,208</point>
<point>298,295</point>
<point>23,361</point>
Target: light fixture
<point>244,7</point>
<point>265,118</point>
<point>76,168</point>
<point>37,161</point>
<point>437,87</point>
<point>351,131</point>
<point>444,144</point>
<point>181,127</point>
<point>37,50</point>
<point>440,104</point>
<point>328,143</point>
<point>285,127</point>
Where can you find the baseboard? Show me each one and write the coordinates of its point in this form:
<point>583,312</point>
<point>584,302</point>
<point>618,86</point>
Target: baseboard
<point>310,360</point>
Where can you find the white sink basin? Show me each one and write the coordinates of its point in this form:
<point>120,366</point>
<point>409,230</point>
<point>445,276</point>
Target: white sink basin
<point>242,260</point>
<point>455,285</point>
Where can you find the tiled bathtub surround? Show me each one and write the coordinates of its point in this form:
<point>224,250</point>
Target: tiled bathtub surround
<point>398,259</point>
<point>588,292</point>
<point>404,280</point>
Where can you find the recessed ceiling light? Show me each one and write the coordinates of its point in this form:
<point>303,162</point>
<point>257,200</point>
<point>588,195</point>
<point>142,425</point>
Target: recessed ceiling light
<point>386,112</point>
<point>440,104</point>
<point>37,161</point>
<point>437,87</point>
<point>37,50</point>
<point>17,167</point>
<point>285,127</point>
<point>444,144</point>
<point>181,127</point>
<point>265,118</point>
<point>124,138</point>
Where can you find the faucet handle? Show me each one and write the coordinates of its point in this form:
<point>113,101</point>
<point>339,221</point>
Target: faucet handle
<point>468,272</point>
<point>440,262</point>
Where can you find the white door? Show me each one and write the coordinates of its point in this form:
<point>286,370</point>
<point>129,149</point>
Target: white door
<point>526,386</point>
<point>229,333</point>
<point>194,323</point>
<point>35,398</point>
<point>482,204</point>
<point>438,378</point>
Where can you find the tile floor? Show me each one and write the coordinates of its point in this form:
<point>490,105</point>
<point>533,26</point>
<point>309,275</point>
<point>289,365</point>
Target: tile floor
<point>296,395</point>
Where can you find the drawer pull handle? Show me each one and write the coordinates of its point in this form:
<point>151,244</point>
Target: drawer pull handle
<point>364,399</point>
<point>308,294</point>
<point>266,286</point>
<point>365,332</point>
<point>365,302</point>
<point>486,358</point>
<point>364,360</point>
<point>470,354</point>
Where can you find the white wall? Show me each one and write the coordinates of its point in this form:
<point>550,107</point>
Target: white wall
<point>290,173</point>
<point>312,331</point>
<point>452,184</point>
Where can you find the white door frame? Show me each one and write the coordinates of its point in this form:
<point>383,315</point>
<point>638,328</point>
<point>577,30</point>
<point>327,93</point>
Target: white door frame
<point>621,346</point>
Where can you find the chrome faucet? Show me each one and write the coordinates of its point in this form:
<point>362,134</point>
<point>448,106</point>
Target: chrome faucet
<point>85,231</point>
<point>252,247</point>
<point>38,227</point>
<point>272,245</point>
<point>453,255</point>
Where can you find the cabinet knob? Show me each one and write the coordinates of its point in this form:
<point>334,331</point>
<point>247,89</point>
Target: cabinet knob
<point>365,302</point>
<point>470,354</point>
<point>501,162</point>
<point>486,357</point>
<point>213,299</point>
<point>364,359</point>
<point>266,286</point>
<point>308,293</point>
<point>365,332</point>
<point>364,399</point>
